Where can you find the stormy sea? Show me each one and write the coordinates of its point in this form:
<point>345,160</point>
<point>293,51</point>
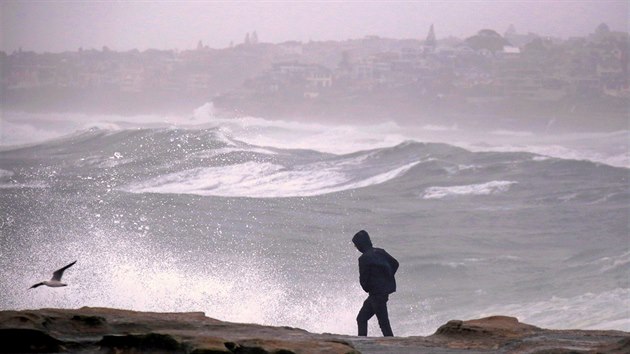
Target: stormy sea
<point>251,220</point>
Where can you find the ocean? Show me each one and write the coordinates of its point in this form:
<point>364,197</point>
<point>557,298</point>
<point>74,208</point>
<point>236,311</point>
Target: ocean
<point>251,220</point>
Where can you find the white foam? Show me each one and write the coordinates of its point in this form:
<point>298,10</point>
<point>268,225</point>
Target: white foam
<point>383,177</point>
<point>204,112</point>
<point>123,269</point>
<point>222,136</point>
<point>611,263</point>
<point>263,180</point>
<point>609,148</point>
<point>223,151</point>
<point>606,310</point>
<point>562,152</point>
<point>16,133</point>
<point>541,158</point>
<point>22,128</point>
<point>103,161</point>
<point>466,262</point>
<point>451,170</point>
<point>492,187</point>
<point>23,185</point>
<point>325,138</point>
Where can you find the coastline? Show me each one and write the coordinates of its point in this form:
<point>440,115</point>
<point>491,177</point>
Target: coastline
<point>107,330</point>
<point>571,114</point>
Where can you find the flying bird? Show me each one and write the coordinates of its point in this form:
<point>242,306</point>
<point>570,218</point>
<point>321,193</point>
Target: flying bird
<point>55,281</point>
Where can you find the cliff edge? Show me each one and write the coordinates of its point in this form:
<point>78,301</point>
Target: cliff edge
<point>105,330</point>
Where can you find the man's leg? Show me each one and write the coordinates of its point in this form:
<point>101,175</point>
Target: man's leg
<point>379,305</point>
<point>364,316</point>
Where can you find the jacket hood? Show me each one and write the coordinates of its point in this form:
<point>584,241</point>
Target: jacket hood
<point>362,241</point>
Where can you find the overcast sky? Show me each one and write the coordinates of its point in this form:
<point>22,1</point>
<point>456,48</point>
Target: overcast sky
<point>56,26</point>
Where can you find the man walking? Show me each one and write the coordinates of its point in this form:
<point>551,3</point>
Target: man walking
<point>376,275</point>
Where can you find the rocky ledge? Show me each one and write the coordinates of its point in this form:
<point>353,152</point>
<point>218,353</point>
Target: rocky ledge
<point>104,330</point>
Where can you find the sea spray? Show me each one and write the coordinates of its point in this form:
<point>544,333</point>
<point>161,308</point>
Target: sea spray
<point>276,249</point>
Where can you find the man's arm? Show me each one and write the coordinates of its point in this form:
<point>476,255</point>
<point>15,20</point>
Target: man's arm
<point>364,274</point>
<point>392,262</point>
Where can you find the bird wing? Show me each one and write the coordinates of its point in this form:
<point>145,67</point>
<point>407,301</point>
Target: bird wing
<point>59,272</point>
<point>36,285</point>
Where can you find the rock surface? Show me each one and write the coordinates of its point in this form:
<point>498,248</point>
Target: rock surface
<point>104,330</point>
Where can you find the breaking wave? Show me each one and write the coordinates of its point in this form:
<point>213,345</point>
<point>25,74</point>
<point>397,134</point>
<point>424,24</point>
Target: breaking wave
<point>610,148</point>
<point>128,200</point>
<point>262,180</point>
<point>488,188</point>
<point>606,310</point>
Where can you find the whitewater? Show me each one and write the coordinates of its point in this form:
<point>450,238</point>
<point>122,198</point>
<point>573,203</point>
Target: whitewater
<point>250,220</point>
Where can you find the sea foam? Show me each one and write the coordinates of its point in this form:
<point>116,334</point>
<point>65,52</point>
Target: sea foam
<point>492,187</point>
<point>605,310</point>
<point>610,148</point>
<point>263,180</point>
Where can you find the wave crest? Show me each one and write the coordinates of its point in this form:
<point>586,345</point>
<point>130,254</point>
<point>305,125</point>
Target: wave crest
<point>263,180</point>
<point>488,188</point>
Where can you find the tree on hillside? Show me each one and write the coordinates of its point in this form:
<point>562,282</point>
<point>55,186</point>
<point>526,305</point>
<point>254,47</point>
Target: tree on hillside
<point>487,39</point>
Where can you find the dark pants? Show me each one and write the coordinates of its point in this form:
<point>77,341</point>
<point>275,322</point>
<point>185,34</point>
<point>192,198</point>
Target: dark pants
<point>374,305</point>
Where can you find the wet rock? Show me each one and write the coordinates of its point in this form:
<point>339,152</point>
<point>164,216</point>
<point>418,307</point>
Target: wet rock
<point>103,330</point>
<point>22,340</point>
<point>150,342</point>
<point>90,321</point>
<point>503,326</point>
<point>622,346</point>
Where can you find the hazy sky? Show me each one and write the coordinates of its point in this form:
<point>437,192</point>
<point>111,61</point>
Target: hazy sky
<point>56,26</point>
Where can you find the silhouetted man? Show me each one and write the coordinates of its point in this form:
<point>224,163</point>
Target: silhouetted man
<point>376,275</point>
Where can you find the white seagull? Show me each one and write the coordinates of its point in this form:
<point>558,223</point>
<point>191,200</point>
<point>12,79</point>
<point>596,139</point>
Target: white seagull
<point>55,281</point>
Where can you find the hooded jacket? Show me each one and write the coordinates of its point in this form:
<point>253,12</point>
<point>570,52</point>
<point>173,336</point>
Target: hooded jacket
<point>376,267</point>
